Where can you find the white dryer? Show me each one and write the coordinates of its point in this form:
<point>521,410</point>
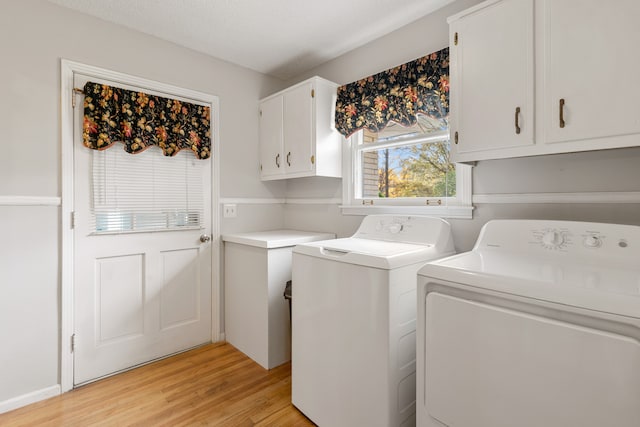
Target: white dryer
<point>538,325</point>
<point>353,326</point>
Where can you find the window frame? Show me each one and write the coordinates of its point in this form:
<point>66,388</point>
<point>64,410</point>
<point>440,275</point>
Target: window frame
<point>459,206</point>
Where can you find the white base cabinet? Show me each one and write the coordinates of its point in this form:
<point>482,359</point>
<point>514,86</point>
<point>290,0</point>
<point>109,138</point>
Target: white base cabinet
<point>297,132</point>
<point>575,58</point>
<point>257,267</point>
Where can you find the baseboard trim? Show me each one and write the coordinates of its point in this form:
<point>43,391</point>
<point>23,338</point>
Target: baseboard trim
<point>29,398</point>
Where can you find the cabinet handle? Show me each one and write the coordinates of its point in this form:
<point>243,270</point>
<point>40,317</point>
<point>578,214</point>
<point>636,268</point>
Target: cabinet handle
<point>517,121</point>
<point>289,158</point>
<point>278,160</point>
<point>561,112</point>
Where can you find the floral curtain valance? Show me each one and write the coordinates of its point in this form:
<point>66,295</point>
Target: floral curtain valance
<point>398,95</point>
<point>140,120</point>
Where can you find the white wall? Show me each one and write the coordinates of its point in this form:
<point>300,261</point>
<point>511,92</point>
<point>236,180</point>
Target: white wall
<point>425,35</point>
<point>602,171</point>
<point>34,36</point>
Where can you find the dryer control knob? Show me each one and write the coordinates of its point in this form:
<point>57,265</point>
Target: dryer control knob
<point>552,239</point>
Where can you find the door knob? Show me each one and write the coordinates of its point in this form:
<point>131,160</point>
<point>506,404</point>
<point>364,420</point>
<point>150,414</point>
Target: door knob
<point>205,238</point>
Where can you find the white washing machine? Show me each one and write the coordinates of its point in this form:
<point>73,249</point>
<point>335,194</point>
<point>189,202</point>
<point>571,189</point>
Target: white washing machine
<point>538,325</point>
<point>354,318</point>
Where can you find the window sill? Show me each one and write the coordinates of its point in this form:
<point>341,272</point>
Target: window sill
<point>456,212</point>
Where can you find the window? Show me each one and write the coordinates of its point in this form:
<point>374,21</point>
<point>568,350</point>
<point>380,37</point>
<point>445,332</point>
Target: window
<point>146,191</point>
<point>406,170</point>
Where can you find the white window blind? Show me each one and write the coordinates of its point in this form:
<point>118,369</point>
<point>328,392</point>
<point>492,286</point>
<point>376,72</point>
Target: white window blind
<point>146,191</point>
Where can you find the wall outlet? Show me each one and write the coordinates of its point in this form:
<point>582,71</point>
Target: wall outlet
<point>230,210</point>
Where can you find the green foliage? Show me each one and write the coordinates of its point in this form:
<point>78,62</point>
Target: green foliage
<point>421,170</point>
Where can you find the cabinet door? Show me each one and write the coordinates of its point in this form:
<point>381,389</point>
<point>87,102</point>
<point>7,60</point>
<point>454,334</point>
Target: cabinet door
<point>271,161</point>
<point>591,62</point>
<point>298,129</point>
<point>492,79</point>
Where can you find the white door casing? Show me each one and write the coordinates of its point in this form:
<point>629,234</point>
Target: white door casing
<point>152,294</point>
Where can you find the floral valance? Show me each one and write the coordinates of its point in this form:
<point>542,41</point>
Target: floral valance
<point>399,94</point>
<point>140,120</point>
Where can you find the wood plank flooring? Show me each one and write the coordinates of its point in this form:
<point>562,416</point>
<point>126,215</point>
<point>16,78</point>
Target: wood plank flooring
<point>214,385</point>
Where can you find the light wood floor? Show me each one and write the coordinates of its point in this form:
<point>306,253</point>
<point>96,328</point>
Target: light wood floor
<point>213,385</point>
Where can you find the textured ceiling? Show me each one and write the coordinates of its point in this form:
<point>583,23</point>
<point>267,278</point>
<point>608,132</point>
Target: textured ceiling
<point>282,38</point>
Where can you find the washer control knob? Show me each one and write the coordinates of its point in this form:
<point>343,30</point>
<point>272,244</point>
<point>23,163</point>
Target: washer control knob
<point>552,239</point>
<point>592,241</point>
<point>395,228</point>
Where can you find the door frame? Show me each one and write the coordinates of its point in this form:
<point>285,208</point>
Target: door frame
<point>67,71</point>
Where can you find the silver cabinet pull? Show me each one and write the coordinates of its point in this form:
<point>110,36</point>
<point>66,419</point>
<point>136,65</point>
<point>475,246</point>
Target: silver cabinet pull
<point>562,112</point>
<point>278,160</point>
<point>289,158</point>
<point>517,120</point>
<point>205,238</point>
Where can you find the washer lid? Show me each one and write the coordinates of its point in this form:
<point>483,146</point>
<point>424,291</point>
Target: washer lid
<point>371,253</point>
<point>611,287</point>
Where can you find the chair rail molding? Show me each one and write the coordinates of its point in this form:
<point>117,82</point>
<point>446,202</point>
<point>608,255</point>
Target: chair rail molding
<point>560,198</point>
<point>30,201</point>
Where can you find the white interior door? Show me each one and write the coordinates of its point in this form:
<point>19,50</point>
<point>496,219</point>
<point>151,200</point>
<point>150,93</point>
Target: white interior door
<point>138,295</point>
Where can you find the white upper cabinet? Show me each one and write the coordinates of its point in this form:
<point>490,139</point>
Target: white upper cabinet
<point>297,133</point>
<point>271,113</point>
<point>492,88</point>
<point>591,63</point>
<point>298,129</point>
<point>567,64</point>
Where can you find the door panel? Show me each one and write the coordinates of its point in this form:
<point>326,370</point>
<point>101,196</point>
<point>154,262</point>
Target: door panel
<point>119,298</point>
<point>180,296</point>
<point>138,296</point>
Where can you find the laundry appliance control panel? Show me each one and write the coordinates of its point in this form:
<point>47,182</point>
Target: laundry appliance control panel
<point>576,239</point>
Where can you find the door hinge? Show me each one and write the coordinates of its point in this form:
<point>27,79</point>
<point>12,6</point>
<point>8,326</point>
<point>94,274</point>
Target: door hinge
<point>455,138</point>
<point>260,113</point>
<point>313,160</point>
<point>73,219</point>
<point>313,93</point>
<point>73,343</point>
<point>455,39</point>
<point>260,167</point>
